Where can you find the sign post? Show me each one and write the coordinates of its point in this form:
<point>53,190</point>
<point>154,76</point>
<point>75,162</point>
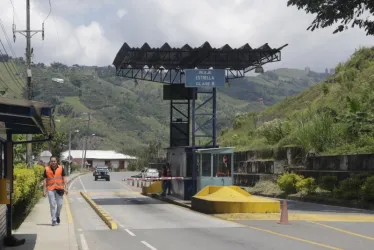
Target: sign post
<point>211,78</point>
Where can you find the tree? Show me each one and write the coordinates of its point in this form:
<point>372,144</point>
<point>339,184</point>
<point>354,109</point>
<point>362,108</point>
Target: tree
<point>344,11</point>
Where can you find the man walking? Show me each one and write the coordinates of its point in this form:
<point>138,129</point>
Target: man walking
<point>55,186</point>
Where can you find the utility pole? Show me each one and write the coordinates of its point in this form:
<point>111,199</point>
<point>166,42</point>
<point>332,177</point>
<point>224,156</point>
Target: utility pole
<point>88,133</point>
<point>28,33</point>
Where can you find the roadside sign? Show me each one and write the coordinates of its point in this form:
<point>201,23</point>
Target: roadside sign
<point>211,78</point>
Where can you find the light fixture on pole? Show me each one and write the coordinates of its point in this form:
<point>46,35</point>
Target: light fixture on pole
<point>259,69</point>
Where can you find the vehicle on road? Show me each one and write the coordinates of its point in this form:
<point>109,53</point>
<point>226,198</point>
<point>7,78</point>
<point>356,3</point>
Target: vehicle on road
<point>150,173</point>
<point>102,173</point>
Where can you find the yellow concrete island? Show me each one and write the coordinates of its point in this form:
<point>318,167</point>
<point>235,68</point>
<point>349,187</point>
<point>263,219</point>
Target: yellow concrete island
<point>155,187</point>
<point>231,199</point>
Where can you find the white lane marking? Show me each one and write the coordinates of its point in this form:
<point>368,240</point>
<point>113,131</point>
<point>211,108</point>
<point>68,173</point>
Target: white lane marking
<point>129,232</point>
<point>125,186</point>
<point>83,242</point>
<point>71,200</point>
<point>72,183</point>
<point>148,245</point>
<point>80,199</point>
<point>80,230</point>
<point>85,190</point>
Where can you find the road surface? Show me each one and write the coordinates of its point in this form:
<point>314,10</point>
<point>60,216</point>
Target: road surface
<point>146,223</point>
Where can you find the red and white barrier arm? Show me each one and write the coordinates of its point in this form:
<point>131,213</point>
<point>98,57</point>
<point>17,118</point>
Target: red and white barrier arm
<point>157,179</point>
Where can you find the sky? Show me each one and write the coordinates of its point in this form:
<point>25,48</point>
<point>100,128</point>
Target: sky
<point>90,32</point>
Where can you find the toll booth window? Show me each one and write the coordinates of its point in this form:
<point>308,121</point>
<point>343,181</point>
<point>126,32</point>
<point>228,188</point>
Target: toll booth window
<point>221,165</point>
<point>206,165</point>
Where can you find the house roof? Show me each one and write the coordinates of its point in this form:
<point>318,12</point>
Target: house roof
<point>97,154</point>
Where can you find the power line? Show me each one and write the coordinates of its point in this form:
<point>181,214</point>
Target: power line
<point>17,81</point>
<point>50,10</point>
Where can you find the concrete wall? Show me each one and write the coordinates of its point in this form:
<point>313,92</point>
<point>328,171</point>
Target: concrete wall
<point>363,162</point>
<point>251,167</point>
<point>177,160</point>
<point>2,224</point>
<point>115,163</point>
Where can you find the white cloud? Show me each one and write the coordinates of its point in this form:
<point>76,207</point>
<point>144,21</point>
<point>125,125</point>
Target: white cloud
<point>121,12</point>
<point>87,32</point>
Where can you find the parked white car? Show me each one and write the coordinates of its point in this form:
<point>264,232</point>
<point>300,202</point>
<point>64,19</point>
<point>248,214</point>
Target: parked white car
<point>150,173</point>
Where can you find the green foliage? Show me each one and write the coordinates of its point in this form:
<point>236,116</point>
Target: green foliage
<point>145,156</point>
<point>367,189</point>
<point>25,182</point>
<point>65,109</point>
<point>337,121</point>
<point>328,182</point>
<point>349,189</point>
<point>75,167</point>
<point>328,13</point>
<point>274,131</point>
<point>306,185</point>
<point>287,182</point>
<point>27,190</point>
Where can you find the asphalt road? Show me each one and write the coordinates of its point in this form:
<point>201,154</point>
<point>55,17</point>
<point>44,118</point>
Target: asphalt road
<point>145,223</point>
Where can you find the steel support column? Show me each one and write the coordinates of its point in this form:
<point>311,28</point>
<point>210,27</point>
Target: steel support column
<point>193,144</point>
<point>211,132</point>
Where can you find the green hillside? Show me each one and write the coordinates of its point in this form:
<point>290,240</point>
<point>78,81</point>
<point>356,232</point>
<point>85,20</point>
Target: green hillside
<point>127,115</point>
<point>333,117</point>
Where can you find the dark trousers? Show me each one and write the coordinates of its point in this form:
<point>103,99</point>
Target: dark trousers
<point>166,185</point>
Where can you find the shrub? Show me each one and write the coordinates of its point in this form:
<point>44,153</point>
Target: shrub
<point>367,189</point>
<point>26,182</point>
<point>349,189</point>
<point>287,182</point>
<point>328,182</point>
<point>306,185</point>
<point>274,130</point>
<point>75,167</point>
<point>27,190</point>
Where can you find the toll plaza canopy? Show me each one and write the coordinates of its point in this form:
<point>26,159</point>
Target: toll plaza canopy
<point>26,117</point>
<point>244,58</point>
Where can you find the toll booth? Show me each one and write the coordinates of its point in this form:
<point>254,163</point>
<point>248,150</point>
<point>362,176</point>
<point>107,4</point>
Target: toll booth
<point>180,160</point>
<point>215,167</point>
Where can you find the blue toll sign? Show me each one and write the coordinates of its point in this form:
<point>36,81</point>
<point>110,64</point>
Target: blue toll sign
<point>211,78</point>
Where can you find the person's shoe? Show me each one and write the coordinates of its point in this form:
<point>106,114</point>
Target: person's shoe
<point>53,223</point>
<point>58,220</point>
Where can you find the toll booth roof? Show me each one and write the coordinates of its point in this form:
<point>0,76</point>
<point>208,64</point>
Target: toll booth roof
<point>223,150</point>
<point>26,117</point>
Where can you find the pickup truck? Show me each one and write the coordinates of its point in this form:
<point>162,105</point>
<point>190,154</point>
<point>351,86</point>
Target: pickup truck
<point>150,173</point>
<point>101,173</point>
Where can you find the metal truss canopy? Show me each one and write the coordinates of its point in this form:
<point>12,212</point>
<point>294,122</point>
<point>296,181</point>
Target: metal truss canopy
<point>241,59</point>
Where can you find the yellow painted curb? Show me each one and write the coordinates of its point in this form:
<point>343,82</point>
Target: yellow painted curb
<point>68,210</point>
<point>103,215</point>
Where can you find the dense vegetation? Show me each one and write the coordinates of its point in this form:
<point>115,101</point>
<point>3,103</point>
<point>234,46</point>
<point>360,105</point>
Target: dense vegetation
<point>333,117</point>
<point>127,115</point>
<point>356,191</point>
<point>27,191</point>
<point>346,12</point>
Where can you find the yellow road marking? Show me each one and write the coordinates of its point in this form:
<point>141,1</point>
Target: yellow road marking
<point>68,210</point>
<point>294,238</point>
<point>299,216</point>
<point>342,230</point>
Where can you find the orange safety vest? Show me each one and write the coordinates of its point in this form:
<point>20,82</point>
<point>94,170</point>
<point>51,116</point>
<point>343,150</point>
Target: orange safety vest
<point>56,180</point>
